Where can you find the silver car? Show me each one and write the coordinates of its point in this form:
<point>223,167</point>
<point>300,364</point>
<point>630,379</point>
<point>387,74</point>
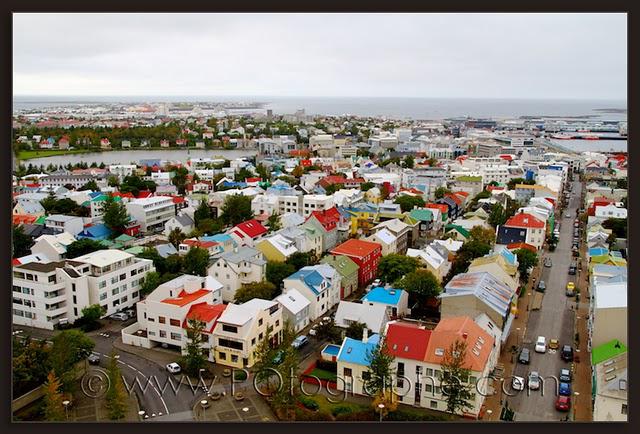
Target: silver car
<point>534,380</point>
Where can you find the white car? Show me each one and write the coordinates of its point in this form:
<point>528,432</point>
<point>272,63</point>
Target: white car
<point>517,383</point>
<point>541,345</point>
<point>173,368</point>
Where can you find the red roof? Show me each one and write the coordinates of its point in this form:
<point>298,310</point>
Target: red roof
<point>127,194</point>
<point>15,261</point>
<point>327,218</point>
<point>357,248</point>
<point>494,187</point>
<point>201,244</point>
<point>205,312</point>
<point>299,152</point>
<point>506,157</point>
<point>185,298</point>
<point>253,179</point>
<point>454,198</point>
<point>412,190</point>
<point>306,163</point>
<point>524,220</point>
<point>461,193</point>
<point>518,246</point>
<point>23,219</point>
<point>444,208</point>
<point>178,199</point>
<point>252,228</point>
<point>407,340</point>
<point>145,193</point>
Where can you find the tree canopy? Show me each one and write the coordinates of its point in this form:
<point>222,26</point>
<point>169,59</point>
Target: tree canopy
<point>249,291</point>
<point>277,271</point>
<point>236,209</point>
<point>421,285</point>
<point>393,266</point>
<point>115,215</point>
<point>21,242</point>
<point>407,203</point>
<point>455,377</point>
<point>196,261</point>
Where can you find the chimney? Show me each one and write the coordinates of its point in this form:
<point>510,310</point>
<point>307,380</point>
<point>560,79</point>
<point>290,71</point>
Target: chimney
<point>365,335</point>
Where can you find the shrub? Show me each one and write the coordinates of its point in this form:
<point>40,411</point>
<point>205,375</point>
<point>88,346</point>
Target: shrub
<point>309,403</point>
<point>399,415</point>
<point>341,409</point>
<point>365,415</point>
<point>306,415</point>
<point>239,375</point>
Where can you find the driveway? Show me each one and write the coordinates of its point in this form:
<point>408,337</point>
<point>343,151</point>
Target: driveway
<point>555,320</point>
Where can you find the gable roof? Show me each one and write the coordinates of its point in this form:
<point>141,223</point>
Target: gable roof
<point>344,265</point>
<point>524,220</point>
<point>253,228</point>
<point>485,287</point>
<point>373,316</point>
<point>204,312</point>
<point>421,214</point>
<point>293,301</point>
<point>357,352</point>
<point>329,218</point>
<point>407,340</point>
<point>355,247</point>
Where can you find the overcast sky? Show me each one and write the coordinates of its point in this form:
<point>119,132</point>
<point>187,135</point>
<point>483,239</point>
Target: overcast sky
<point>582,56</point>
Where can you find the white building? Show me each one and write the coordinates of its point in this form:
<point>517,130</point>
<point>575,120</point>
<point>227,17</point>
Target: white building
<point>295,309</point>
<point>47,294</point>
<point>152,212</point>
<point>64,223</point>
<point>611,211</point>
<point>53,247</point>
<point>236,268</point>
<point>122,170</point>
<point>316,202</point>
<point>320,284</point>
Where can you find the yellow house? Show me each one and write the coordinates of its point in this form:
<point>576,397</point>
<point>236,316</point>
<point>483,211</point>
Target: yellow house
<point>276,248</point>
<point>498,267</point>
<point>362,220</point>
<point>373,195</point>
<point>240,329</point>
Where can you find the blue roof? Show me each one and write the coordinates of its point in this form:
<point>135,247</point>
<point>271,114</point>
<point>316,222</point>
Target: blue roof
<point>511,257</point>
<point>234,184</point>
<point>354,351</point>
<point>95,194</point>
<point>597,251</point>
<point>389,296</point>
<point>98,232</point>
<point>218,238</point>
<point>310,277</point>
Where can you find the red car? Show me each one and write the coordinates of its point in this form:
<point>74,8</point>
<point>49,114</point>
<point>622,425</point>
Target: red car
<point>563,403</point>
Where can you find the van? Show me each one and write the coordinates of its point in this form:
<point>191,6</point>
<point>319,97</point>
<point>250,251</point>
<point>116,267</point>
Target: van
<point>300,341</point>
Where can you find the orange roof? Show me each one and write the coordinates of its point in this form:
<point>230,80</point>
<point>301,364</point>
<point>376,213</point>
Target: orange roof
<point>205,312</point>
<point>524,220</point>
<point>185,298</point>
<point>448,330</point>
<point>358,248</point>
<point>23,219</point>
<point>518,246</point>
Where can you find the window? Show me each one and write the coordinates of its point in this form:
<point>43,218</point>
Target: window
<point>347,372</point>
<point>433,404</point>
<point>234,358</point>
<point>222,356</point>
<point>366,376</point>
<point>163,334</point>
<point>174,322</point>
<point>230,344</point>
<point>428,388</point>
<point>52,279</point>
<point>162,320</point>
<point>260,322</point>
<point>623,410</point>
<point>277,322</point>
<point>400,383</point>
<point>229,328</point>
<point>115,291</point>
<point>123,276</point>
<point>253,341</point>
<point>176,336</point>
<point>429,372</point>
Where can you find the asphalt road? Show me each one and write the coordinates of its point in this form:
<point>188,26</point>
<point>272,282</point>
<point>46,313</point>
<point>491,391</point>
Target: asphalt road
<point>555,320</point>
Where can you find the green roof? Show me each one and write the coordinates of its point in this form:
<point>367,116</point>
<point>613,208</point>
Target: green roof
<point>463,231</point>
<point>40,220</point>
<point>135,250</point>
<point>469,178</point>
<point>421,214</point>
<point>111,244</point>
<point>607,351</point>
<point>342,264</point>
<point>124,238</point>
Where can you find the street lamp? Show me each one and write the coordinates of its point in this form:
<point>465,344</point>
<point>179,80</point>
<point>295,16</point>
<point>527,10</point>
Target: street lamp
<point>203,404</point>
<point>518,336</point>
<point>141,414</point>
<point>381,407</point>
<point>66,403</point>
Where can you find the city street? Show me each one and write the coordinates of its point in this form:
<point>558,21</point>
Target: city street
<point>555,320</point>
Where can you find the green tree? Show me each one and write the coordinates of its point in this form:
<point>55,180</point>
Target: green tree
<point>618,226</point>
<point>301,259</point>
<point>284,399</point>
<point>150,283</point>
<point>82,247</point>
<point>243,174</point>
<point>236,209</point>
<point>421,285</point>
<point>482,235</point>
<point>194,360</point>
<point>21,242</point>
<point>180,178</point>
<point>455,377</point>
<point>174,263</point>
<point>515,181</point>
<point>91,185</point>
<point>29,364</point>
<point>393,266</point>
<point>330,189</point>
<point>176,236</point>
<point>409,162</point>
<point>53,407</point>
<point>115,215</point>
<point>407,203</point>
<point>196,261</point>
<point>90,316</point>
<point>210,226</point>
<point>277,271</point>
<point>273,222</point>
<point>116,396</point>
<point>497,216</point>
<point>203,212</point>
<point>468,252</point>
<point>249,291</point>
<point>159,263</point>
<point>69,347</point>
<point>355,330</point>
<point>366,186</point>
<point>441,191</point>
<point>526,260</point>
<point>263,172</point>
<point>329,331</point>
<point>298,171</point>
<point>113,181</point>
<point>381,369</point>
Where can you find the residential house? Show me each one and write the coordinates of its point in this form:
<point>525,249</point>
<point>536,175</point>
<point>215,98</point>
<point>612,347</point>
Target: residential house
<point>435,257</point>
<point>320,284</point>
<point>535,228</point>
<point>499,267</point>
<point>348,271</point>
<point>326,223</point>
<point>609,394</point>
<point>276,247</point>
<point>152,212</point>
<point>64,223</point>
<point>248,233</point>
<point>365,254</point>
<point>241,328</point>
<point>182,222</point>
<point>53,247</point>
<point>400,230</point>
<point>395,300</point>
<point>353,363</point>
<point>374,316</point>
<point>295,309</point>
<point>386,239</point>
<point>238,267</point>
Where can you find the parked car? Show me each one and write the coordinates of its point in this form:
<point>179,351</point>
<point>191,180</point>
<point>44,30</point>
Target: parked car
<point>548,263</point>
<point>554,344</point>
<point>571,289</point>
<point>93,359</point>
<point>567,215</point>
<point>517,383</point>
<point>564,389</point>
<point>563,403</point>
<point>565,375</point>
<point>567,353</point>
<point>376,283</point>
<point>300,341</point>
<point>534,380</point>
<point>313,332</point>
<point>130,312</point>
<point>279,357</point>
<point>525,356</point>
<point>572,269</point>
<point>541,345</point>
<point>119,316</point>
<point>173,368</point>
<point>541,286</point>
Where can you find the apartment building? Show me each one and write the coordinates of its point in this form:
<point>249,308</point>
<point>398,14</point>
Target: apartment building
<point>163,316</point>
<point>48,294</point>
<point>315,202</point>
<point>64,223</point>
<point>152,212</point>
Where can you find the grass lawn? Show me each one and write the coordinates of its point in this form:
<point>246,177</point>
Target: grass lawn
<point>40,153</point>
<point>323,375</point>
